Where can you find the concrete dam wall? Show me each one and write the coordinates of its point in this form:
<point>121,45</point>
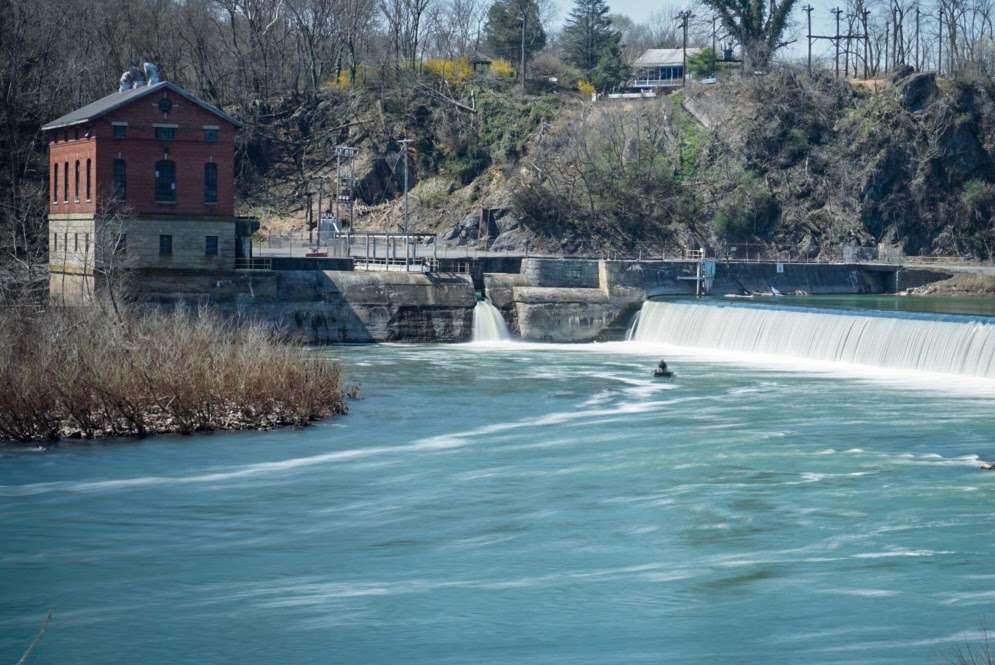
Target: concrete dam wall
<point>321,307</point>
<point>579,300</point>
<point>540,299</point>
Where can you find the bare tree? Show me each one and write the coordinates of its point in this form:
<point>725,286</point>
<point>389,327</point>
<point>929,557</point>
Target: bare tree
<point>317,24</point>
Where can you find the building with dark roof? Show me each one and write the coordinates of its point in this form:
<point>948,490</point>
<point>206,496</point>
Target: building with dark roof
<point>141,179</point>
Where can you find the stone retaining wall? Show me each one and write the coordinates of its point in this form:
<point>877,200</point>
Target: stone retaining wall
<point>575,273</point>
<point>332,306</point>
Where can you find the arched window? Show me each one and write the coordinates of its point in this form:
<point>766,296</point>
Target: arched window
<point>165,181</point>
<point>76,182</point>
<point>210,183</point>
<point>55,184</point>
<point>88,170</point>
<point>65,182</point>
<point>120,180</point>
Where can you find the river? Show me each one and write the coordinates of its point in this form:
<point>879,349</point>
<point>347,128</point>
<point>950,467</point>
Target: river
<point>496,504</point>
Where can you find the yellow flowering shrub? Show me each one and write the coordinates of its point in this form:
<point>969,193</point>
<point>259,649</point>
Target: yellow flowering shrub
<point>585,88</point>
<point>502,68</point>
<point>343,81</point>
<point>455,71</point>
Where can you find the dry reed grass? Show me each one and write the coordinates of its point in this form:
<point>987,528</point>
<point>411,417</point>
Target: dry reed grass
<point>85,373</point>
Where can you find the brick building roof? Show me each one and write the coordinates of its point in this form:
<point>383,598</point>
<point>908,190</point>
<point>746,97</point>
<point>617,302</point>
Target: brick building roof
<point>118,99</point>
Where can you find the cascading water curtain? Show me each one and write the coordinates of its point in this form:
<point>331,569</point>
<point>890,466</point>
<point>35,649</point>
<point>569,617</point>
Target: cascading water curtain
<point>951,345</point>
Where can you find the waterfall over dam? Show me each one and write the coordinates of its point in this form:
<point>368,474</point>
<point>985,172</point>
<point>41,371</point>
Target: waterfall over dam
<point>488,324</point>
<point>921,342</point>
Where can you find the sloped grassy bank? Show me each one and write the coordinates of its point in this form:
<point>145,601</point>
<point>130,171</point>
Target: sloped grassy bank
<point>93,372</point>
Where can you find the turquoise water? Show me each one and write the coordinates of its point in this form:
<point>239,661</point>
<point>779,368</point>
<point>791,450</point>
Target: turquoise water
<point>522,505</point>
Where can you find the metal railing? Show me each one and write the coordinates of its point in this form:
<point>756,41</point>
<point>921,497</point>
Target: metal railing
<point>757,253</point>
<point>426,252</point>
<point>254,263</point>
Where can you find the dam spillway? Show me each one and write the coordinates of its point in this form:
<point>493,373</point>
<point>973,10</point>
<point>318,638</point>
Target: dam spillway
<point>900,341</point>
<point>488,324</point>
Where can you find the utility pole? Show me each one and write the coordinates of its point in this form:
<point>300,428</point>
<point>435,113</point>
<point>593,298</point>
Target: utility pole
<point>836,40</point>
<point>939,42</point>
<point>344,184</point>
<point>525,22</point>
<point>407,230</point>
<point>808,12</point>
<point>887,36</point>
<point>918,66</point>
<point>846,50</point>
<point>684,17</point>
<point>309,196</point>
<point>867,40</point>
<point>321,195</point>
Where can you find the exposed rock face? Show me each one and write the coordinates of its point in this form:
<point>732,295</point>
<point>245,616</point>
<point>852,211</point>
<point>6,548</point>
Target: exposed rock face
<point>917,90</point>
<point>464,231</point>
<point>504,232</point>
<point>962,153</point>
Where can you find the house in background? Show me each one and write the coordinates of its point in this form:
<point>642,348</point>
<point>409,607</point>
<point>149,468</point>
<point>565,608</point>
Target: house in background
<point>660,68</point>
<point>142,179</point>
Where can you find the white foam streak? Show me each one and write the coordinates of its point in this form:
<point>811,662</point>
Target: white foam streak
<point>434,443</point>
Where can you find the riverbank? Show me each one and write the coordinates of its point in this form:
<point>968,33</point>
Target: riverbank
<point>966,284</point>
<point>105,371</point>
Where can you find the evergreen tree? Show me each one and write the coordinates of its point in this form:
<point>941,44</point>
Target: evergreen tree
<point>514,32</point>
<point>612,71</point>
<point>703,64</point>
<point>588,34</point>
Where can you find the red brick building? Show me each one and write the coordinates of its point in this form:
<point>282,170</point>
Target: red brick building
<point>143,178</point>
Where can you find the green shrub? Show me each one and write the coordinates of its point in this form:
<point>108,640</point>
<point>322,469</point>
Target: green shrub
<point>702,64</point>
<point>507,122</point>
<point>468,163</point>
<point>750,211</point>
<point>977,195</point>
<point>692,137</point>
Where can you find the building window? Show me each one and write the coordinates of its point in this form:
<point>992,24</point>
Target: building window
<point>88,170</point>
<point>65,182</point>
<point>76,182</point>
<point>55,242</point>
<point>65,242</point>
<point>165,181</point>
<point>210,183</point>
<point>55,184</point>
<point>210,135</point>
<point>165,245</point>
<point>120,179</point>
<point>210,245</point>
<point>75,242</point>
<point>120,131</point>
<point>86,243</point>
<point>165,133</point>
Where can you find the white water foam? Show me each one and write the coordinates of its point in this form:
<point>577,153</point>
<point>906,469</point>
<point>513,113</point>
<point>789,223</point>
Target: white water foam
<point>488,324</point>
<point>940,345</point>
